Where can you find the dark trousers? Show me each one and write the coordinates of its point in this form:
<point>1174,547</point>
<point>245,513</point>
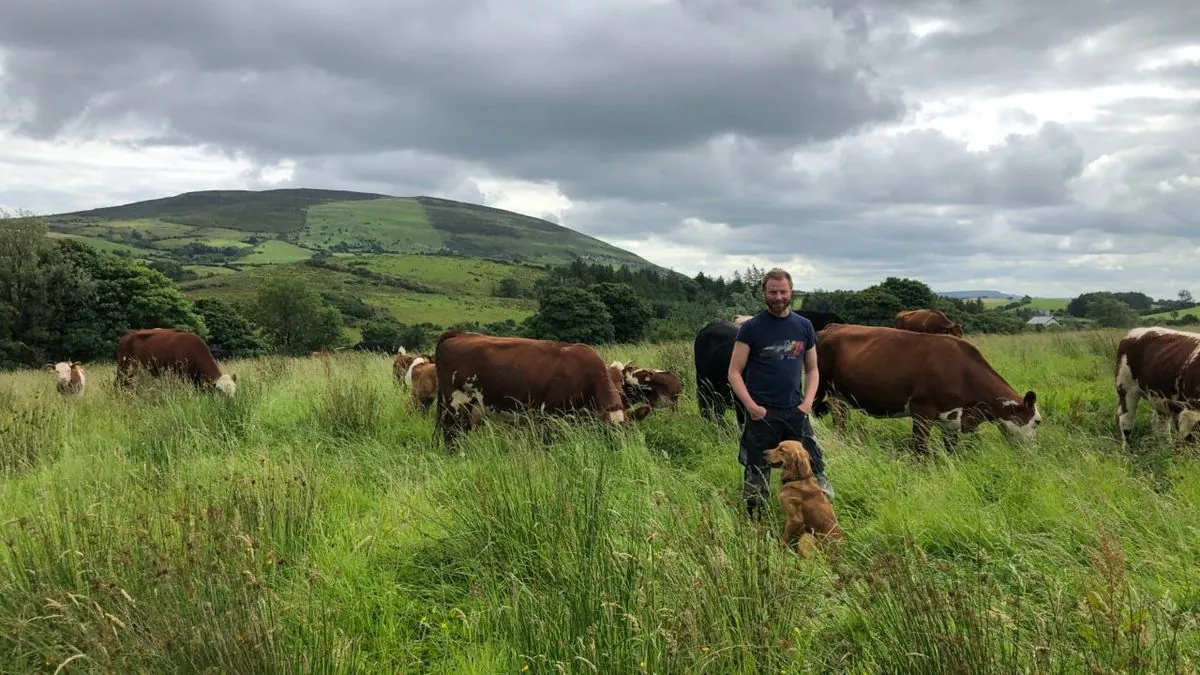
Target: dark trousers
<point>758,436</point>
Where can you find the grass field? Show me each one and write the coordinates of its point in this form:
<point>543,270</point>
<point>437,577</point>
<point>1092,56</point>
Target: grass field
<point>313,524</point>
<point>1035,303</point>
<point>276,253</point>
<point>1193,311</point>
<point>470,301</point>
<point>398,224</point>
<point>453,276</point>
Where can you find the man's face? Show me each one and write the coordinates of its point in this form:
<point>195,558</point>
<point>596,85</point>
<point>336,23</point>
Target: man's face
<point>777,295</point>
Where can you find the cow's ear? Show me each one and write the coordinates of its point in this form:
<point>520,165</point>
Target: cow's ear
<point>1030,399</point>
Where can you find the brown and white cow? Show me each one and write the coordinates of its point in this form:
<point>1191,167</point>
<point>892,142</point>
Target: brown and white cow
<point>928,321</point>
<point>1162,366</point>
<point>165,350</point>
<point>421,380</point>
<point>646,385</point>
<point>70,377</point>
<point>477,372</point>
<point>403,362</point>
<point>933,379</point>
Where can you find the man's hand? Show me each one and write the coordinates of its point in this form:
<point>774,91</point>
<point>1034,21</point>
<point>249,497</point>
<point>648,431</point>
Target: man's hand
<point>805,407</point>
<point>757,412</point>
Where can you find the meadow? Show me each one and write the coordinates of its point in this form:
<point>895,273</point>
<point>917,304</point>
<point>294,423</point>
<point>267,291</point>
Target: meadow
<point>314,524</point>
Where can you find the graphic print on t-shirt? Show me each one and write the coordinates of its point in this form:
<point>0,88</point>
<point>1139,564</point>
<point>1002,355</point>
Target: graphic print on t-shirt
<point>788,349</point>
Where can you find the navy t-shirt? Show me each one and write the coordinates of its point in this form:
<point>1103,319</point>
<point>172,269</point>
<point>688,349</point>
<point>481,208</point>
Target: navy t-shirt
<point>775,365</point>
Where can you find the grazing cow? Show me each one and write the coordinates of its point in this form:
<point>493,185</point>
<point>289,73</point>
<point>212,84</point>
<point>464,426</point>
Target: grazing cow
<point>421,379</point>
<point>933,379</point>
<point>928,321</point>
<point>648,385</point>
<point>166,350</point>
<point>70,377</point>
<point>711,352</point>
<point>477,372</point>
<point>1162,365</point>
<point>404,361</point>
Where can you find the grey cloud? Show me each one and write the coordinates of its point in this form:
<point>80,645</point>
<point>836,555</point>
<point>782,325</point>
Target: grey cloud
<point>649,113</point>
<point>639,76</point>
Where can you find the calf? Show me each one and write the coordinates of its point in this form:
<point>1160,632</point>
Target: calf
<point>421,379</point>
<point>656,387</point>
<point>933,379</point>
<point>477,372</point>
<point>1163,366</point>
<point>70,377</point>
<point>404,361</point>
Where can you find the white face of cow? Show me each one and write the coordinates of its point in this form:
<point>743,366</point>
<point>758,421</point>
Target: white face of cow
<point>62,370</point>
<point>226,385</point>
<point>1013,428</point>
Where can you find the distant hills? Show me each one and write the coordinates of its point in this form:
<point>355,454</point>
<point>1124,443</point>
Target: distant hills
<point>419,258</point>
<point>963,295</point>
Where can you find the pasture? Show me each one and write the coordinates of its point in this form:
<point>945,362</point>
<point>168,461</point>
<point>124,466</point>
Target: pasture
<point>314,524</point>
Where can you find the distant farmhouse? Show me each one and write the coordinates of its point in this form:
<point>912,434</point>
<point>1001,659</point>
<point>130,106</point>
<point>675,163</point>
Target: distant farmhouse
<point>1042,321</point>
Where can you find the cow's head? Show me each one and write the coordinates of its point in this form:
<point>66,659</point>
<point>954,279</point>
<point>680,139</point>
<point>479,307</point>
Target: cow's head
<point>956,329</point>
<point>1019,420</point>
<point>64,369</point>
<point>655,385</point>
<point>227,384</point>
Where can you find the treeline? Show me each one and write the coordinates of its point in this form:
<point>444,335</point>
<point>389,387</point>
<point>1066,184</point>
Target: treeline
<point>63,299</point>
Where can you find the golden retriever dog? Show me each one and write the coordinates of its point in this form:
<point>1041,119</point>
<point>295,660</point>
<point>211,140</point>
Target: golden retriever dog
<point>805,507</point>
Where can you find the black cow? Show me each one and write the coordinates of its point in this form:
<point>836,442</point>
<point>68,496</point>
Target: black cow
<point>711,352</point>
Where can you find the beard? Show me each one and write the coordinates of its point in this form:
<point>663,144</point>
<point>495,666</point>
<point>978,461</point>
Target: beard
<point>778,306</point>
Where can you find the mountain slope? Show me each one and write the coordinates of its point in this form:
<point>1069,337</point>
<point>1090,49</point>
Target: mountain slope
<point>330,220</point>
<point>419,259</point>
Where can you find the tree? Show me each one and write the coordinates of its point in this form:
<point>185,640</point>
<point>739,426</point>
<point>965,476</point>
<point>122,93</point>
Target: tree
<point>571,315</point>
<point>872,305</point>
<point>385,331</point>
<point>295,318</point>
<point>630,317</point>
<point>1185,299</point>
<point>509,287</point>
<point>229,329</point>
<point>911,293</point>
<point>1109,312</point>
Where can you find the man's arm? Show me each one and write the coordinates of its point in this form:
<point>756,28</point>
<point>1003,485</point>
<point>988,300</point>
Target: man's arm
<point>812,378</point>
<point>737,362</point>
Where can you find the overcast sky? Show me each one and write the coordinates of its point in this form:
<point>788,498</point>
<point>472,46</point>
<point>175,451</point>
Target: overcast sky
<point>1017,145</point>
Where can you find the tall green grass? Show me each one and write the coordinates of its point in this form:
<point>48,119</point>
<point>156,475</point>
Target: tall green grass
<point>315,524</point>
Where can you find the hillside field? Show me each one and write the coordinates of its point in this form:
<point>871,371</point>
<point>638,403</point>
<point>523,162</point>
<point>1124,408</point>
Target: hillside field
<point>238,233</point>
<point>462,286</point>
<point>313,524</point>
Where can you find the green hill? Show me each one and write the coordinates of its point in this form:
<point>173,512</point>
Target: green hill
<point>419,258</point>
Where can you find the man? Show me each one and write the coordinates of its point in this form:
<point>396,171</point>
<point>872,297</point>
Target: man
<point>772,347</point>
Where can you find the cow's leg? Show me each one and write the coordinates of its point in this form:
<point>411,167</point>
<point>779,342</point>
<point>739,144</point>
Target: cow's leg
<point>706,400</point>
<point>923,420</point>
<point>838,410</point>
<point>1128,396</point>
<point>124,379</point>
